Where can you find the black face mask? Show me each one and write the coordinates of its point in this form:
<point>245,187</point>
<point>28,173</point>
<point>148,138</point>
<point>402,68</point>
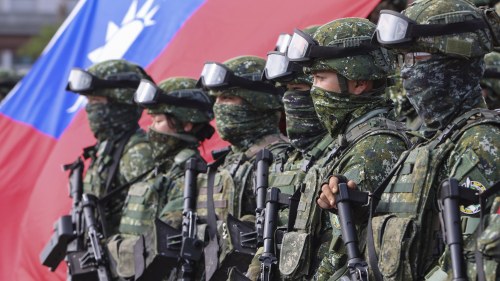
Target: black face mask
<point>441,88</point>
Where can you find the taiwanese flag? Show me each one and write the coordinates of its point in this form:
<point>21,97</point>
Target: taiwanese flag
<point>42,126</point>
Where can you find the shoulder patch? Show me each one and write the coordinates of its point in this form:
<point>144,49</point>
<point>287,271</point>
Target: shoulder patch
<point>472,209</point>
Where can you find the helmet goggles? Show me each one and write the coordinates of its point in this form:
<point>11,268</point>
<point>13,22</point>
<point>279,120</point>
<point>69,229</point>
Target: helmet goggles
<point>396,28</point>
<point>81,81</point>
<point>149,95</point>
<point>304,48</point>
<point>216,76</point>
<point>283,42</point>
<point>280,68</point>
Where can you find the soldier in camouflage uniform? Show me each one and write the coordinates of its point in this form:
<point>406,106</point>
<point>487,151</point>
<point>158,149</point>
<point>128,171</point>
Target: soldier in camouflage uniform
<point>350,77</point>
<point>309,139</point>
<point>441,77</point>
<point>490,83</point>
<point>7,81</point>
<point>122,151</point>
<point>174,135</point>
<point>247,113</point>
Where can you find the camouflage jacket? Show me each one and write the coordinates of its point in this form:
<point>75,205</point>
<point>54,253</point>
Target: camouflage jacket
<point>406,224</point>
<point>365,152</point>
<point>135,159</point>
<point>158,195</point>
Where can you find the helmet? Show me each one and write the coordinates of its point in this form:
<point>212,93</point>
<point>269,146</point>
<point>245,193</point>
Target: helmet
<point>251,68</point>
<point>306,78</point>
<point>183,114</point>
<point>373,65</point>
<point>104,69</point>
<point>492,61</point>
<point>469,44</point>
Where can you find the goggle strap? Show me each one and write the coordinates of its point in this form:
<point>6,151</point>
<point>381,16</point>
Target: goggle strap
<point>334,52</point>
<point>182,102</point>
<point>488,73</point>
<point>427,30</point>
<point>254,85</point>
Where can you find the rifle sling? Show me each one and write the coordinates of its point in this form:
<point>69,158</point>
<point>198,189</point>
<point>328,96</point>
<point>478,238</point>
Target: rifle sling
<point>211,250</point>
<point>116,159</point>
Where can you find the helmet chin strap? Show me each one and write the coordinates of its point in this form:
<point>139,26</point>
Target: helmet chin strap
<point>344,89</point>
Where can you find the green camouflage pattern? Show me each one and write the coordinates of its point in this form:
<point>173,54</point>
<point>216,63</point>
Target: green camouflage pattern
<point>442,88</point>
<point>111,67</point>
<point>242,125</point>
<point>465,45</point>
<point>470,156</point>
<point>374,65</point>
<point>183,114</point>
<point>159,195</point>
<point>336,111</point>
<point>250,67</point>
<point>403,109</point>
<point>165,145</point>
<point>492,85</point>
<point>135,160</point>
<point>111,120</point>
<point>303,127</point>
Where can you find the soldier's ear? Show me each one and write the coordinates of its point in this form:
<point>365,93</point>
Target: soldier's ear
<point>361,86</point>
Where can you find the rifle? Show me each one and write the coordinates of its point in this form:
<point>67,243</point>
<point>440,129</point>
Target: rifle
<point>174,246</point>
<point>68,229</point>
<point>275,201</point>
<point>357,266</point>
<point>453,195</point>
<point>96,256</point>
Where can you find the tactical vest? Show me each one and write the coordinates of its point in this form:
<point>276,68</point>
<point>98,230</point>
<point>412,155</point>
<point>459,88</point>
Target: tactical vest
<point>231,178</point>
<point>103,176</point>
<point>406,231</point>
<point>146,199</point>
<point>298,252</point>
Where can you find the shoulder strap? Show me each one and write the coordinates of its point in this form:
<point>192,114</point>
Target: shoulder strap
<point>466,121</point>
<point>118,150</point>
<point>311,156</point>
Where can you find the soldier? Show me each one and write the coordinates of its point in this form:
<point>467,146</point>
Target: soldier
<point>247,114</point>
<point>349,81</point>
<point>490,83</point>
<point>309,139</point>
<point>122,151</point>
<point>443,64</point>
<point>174,134</point>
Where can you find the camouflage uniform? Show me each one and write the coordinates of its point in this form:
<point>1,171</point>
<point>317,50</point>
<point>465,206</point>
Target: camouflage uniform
<point>492,85</point>
<point>310,143</point>
<point>403,110</point>
<point>162,187</point>
<point>115,125</point>
<point>249,128</point>
<point>358,125</point>
<point>463,144</point>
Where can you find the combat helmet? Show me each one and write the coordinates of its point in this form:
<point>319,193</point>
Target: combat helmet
<point>172,86</point>
<point>491,79</point>
<point>453,27</point>
<point>118,70</point>
<point>243,79</point>
<point>370,63</point>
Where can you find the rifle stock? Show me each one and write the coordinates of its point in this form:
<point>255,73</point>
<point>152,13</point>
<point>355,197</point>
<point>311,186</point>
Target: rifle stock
<point>452,195</point>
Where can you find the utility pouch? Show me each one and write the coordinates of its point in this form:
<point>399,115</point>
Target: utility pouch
<point>394,238</point>
<point>156,253</point>
<point>295,255</point>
